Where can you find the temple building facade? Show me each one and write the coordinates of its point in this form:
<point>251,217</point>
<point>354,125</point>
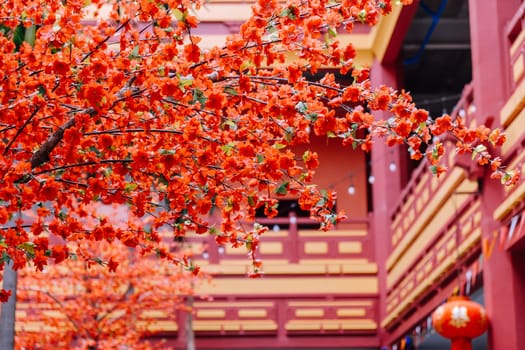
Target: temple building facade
<point>411,239</point>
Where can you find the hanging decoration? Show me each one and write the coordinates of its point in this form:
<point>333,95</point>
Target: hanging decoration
<point>460,320</point>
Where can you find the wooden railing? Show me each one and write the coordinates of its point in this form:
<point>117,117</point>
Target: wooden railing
<point>516,39</point>
<point>294,246</point>
<point>455,240</point>
<point>423,184</point>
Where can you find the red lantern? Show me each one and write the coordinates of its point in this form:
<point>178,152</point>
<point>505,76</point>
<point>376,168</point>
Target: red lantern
<point>460,320</point>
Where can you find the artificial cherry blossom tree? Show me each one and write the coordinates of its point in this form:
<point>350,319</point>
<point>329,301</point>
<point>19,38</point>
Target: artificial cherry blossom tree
<point>129,109</point>
<point>81,304</point>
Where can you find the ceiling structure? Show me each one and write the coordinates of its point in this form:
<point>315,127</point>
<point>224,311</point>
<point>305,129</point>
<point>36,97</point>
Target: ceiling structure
<point>436,54</point>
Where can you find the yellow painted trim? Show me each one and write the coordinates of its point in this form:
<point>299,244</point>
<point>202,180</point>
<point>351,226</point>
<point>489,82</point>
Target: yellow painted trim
<point>226,269</point>
<point>441,209</point>
<point>443,193</point>
<point>289,286</point>
<point>34,326</point>
<point>271,248</point>
<point>53,314</point>
<point>234,325</point>
<point>261,326</point>
<point>517,43</point>
<point>351,269</point>
<point>206,313</point>
<point>386,29</point>
<point>248,304</point>
<point>27,305</point>
<point>252,313</point>
<point>331,303</point>
<point>304,267</point>
<point>474,238</point>
<point>278,234</point>
<point>514,105</point>
<point>450,246</point>
<point>222,12</point>
<point>153,314</point>
<point>350,247</point>
<point>354,312</point>
<point>440,254</point>
<point>364,55</point>
<point>332,261</point>
<point>335,233</point>
<point>158,326</point>
<point>512,200</point>
<point>517,68</point>
<point>316,247</point>
<point>268,262</point>
<point>311,325</point>
<point>236,251</point>
<point>309,313</point>
<point>294,269</point>
<point>514,130</point>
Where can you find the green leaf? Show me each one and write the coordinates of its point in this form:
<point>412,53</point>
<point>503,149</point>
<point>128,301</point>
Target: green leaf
<point>231,123</point>
<point>179,15</point>
<point>478,149</point>
<point>289,134</point>
<point>228,148</point>
<point>5,258</point>
<point>230,90</point>
<point>283,188</point>
<point>62,215</point>
<point>198,96</point>
<point>27,247</point>
<point>433,169</point>
<point>301,107</point>
<point>321,202</point>
<point>251,201</point>
<point>129,187</point>
<point>30,35</point>
<point>362,15</point>
<point>18,36</point>
<point>166,152</point>
<point>332,32</point>
<point>435,153</point>
<point>311,117</point>
<point>260,158</point>
<point>134,53</point>
<point>185,81</point>
<point>246,65</point>
<point>288,12</point>
<point>278,145</point>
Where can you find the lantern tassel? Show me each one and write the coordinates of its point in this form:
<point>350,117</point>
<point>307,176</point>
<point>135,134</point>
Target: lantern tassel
<point>461,344</point>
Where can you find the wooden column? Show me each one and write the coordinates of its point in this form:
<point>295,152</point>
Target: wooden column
<point>503,274</point>
<point>491,71</point>
<point>386,190</point>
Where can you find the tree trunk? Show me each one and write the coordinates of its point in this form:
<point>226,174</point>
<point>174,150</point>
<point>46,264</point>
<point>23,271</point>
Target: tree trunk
<point>190,336</point>
<point>7,317</point>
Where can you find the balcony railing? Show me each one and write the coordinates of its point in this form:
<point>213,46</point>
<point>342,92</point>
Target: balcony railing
<point>516,39</point>
<point>423,184</point>
<point>294,246</point>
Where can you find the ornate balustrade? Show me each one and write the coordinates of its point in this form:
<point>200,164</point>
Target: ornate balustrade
<point>516,40</point>
<point>436,222</point>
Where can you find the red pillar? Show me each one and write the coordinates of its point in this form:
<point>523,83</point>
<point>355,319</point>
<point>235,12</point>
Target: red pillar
<point>503,275</point>
<point>491,71</point>
<point>504,289</point>
<point>503,282</point>
<point>385,190</point>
